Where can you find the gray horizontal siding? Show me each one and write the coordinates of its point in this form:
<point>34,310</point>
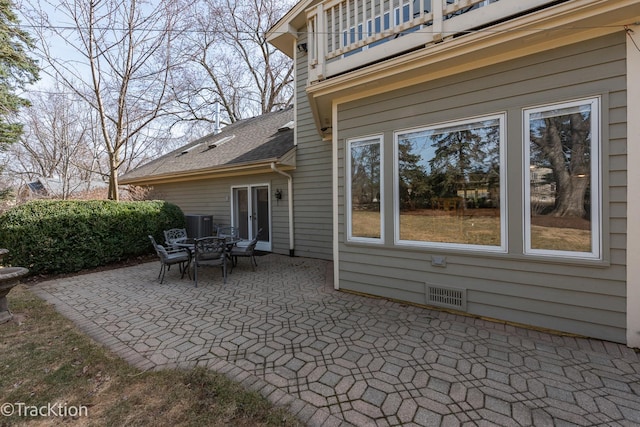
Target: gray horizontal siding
<point>512,294</point>
<point>584,297</point>
<point>213,197</point>
<point>462,265</point>
<point>617,177</point>
<point>312,180</point>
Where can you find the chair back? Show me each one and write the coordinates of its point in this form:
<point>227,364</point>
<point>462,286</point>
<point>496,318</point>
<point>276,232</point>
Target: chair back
<point>174,234</point>
<point>247,246</point>
<point>160,250</point>
<point>228,231</point>
<point>209,249</point>
<point>253,242</point>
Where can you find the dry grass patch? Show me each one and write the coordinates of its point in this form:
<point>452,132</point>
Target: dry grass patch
<point>480,230</point>
<point>560,239</point>
<point>45,359</point>
<point>443,227</point>
<point>366,224</point>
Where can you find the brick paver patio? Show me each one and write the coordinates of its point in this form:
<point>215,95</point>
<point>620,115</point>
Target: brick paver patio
<point>341,359</point>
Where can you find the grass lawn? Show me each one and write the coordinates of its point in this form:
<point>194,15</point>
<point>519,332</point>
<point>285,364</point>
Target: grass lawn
<point>482,230</point>
<point>435,226</point>
<point>45,360</point>
<point>366,224</point>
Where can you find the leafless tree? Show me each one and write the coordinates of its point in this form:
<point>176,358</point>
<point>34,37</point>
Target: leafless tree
<point>55,142</point>
<point>118,61</point>
<point>229,61</point>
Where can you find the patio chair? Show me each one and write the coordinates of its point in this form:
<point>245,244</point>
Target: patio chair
<point>209,251</point>
<point>246,249</point>
<point>169,257</point>
<point>173,235</point>
<point>229,232</point>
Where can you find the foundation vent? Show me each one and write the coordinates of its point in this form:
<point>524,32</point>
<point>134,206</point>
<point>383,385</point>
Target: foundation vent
<point>442,296</point>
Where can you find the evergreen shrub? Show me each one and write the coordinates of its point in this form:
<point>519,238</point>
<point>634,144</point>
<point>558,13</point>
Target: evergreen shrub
<point>65,236</point>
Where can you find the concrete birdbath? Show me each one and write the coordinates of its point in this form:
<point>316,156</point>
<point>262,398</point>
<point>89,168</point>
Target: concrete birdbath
<point>9,277</point>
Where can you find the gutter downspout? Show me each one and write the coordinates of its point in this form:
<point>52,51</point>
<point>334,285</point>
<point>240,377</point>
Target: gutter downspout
<point>290,200</point>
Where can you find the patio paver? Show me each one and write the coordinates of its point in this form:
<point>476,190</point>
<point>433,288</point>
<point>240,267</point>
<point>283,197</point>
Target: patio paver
<point>336,358</point>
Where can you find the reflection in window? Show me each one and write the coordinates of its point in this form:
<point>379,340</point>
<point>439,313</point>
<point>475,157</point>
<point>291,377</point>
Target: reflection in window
<point>449,184</point>
<point>562,183</point>
<point>364,191</point>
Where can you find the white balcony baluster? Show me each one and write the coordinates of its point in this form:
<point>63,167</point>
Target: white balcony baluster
<point>348,34</point>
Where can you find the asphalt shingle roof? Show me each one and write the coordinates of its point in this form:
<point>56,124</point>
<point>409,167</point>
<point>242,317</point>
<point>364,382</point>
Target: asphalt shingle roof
<point>247,141</point>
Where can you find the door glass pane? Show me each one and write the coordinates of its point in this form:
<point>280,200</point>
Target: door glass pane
<point>261,212</point>
<point>241,220</point>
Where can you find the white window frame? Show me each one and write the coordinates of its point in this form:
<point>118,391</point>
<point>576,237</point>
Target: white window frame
<point>595,180</point>
<point>367,140</point>
<point>503,247</point>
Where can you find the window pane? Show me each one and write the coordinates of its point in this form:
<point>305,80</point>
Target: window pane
<point>449,184</point>
<point>365,189</point>
<point>560,174</point>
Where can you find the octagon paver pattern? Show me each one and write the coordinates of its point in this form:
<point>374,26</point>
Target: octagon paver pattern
<point>336,358</point>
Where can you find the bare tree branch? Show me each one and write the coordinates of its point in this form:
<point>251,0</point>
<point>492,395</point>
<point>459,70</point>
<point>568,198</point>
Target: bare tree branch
<point>119,64</point>
<point>234,65</point>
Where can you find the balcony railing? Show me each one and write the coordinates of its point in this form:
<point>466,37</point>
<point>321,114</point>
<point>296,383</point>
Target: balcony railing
<point>348,34</point>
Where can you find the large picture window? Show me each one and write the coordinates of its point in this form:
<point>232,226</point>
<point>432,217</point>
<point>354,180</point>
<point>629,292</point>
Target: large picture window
<point>562,179</point>
<point>364,189</point>
<point>449,184</point>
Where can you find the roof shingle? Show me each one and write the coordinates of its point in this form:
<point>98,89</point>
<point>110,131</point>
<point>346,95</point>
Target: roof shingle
<point>253,140</point>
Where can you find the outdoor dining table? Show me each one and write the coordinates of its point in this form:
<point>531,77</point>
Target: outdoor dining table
<point>187,243</point>
<point>190,244</point>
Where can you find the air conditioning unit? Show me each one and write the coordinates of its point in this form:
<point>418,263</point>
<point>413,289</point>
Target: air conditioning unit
<point>199,225</point>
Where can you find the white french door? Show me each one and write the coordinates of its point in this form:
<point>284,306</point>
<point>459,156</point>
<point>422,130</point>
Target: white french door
<point>251,212</point>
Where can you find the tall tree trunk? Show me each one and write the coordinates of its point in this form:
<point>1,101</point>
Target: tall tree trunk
<point>572,177</point>
<point>113,177</point>
<point>570,202</point>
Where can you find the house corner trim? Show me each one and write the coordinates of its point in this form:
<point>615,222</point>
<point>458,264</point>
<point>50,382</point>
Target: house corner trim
<point>336,233</point>
<point>633,181</point>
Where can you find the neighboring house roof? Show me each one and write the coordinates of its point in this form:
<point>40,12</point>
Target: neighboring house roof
<point>246,146</point>
<point>54,187</point>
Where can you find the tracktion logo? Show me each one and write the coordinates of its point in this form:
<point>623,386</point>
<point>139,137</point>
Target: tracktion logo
<point>21,409</point>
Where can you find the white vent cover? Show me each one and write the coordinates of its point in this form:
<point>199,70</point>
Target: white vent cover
<point>287,126</point>
<point>443,296</point>
<point>221,141</point>
<point>186,150</point>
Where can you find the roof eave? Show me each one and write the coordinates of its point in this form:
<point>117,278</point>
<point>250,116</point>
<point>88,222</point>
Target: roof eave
<point>284,34</point>
<point>237,169</point>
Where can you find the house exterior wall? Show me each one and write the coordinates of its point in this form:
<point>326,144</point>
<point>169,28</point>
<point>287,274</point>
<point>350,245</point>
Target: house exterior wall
<point>312,179</point>
<point>213,197</point>
<point>312,188</point>
<point>579,296</point>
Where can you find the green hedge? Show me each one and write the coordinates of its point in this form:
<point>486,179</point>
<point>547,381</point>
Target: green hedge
<point>56,236</point>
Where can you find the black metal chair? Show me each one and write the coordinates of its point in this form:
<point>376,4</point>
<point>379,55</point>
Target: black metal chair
<point>173,235</point>
<point>228,232</point>
<point>209,251</point>
<point>246,249</point>
<point>169,257</point>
